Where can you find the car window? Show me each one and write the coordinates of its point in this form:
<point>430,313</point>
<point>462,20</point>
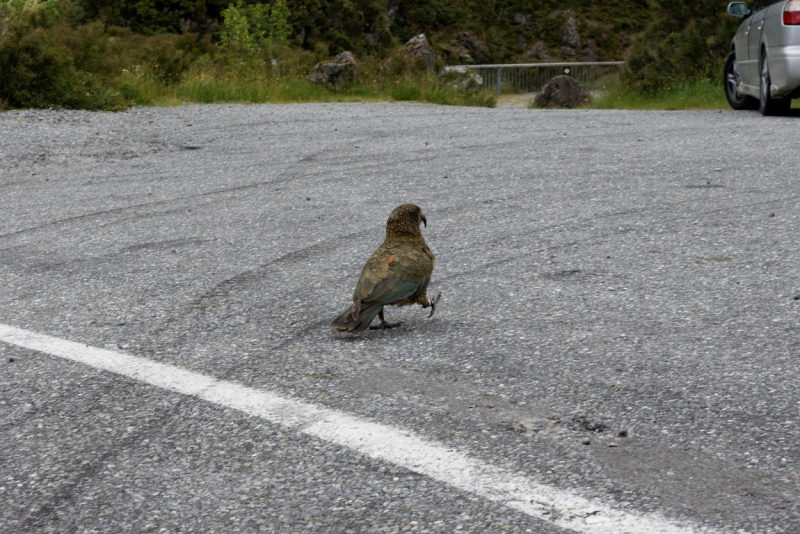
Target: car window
<point>761,4</point>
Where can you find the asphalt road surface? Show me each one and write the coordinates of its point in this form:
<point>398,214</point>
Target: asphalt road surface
<point>616,349</point>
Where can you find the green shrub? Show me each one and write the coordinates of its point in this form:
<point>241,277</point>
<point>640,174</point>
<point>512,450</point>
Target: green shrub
<point>32,69</point>
<point>168,57</point>
<point>38,63</point>
<point>686,40</point>
<point>152,17</point>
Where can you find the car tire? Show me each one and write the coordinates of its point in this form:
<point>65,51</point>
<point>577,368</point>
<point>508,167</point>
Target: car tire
<point>766,104</point>
<point>730,80</point>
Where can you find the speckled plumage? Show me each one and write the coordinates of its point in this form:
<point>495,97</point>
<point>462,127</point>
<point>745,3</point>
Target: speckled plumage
<point>396,274</point>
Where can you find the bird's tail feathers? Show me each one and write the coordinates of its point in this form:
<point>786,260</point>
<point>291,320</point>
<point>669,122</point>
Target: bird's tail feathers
<point>347,322</point>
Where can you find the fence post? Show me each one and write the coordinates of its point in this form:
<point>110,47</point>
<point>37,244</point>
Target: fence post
<point>499,83</point>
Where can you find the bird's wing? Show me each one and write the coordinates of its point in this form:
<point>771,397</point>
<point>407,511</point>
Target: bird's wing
<point>388,277</point>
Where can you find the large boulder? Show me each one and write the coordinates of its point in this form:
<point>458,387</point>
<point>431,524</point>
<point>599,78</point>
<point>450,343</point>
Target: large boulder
<point>338,71</point>
<point>419,49</point>
<point>561,92</point>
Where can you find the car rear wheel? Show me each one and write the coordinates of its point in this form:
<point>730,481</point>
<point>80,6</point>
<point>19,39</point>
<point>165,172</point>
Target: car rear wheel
<point>767,104</point>
<point>730,79</point>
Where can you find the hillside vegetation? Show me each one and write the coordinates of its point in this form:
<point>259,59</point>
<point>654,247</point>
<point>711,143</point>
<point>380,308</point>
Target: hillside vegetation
<point>110,54</point>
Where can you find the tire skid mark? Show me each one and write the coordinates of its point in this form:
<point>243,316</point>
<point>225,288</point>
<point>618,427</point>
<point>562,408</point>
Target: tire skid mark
<point>271,271</point>
<point>70,491</point>
<point>123,209</point>
<point>40,264</point>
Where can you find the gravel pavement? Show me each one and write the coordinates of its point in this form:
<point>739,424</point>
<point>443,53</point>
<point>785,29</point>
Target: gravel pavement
<point>619,313</point>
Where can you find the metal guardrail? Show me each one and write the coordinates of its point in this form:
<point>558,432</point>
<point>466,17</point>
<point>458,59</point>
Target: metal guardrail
<point>530,77</point>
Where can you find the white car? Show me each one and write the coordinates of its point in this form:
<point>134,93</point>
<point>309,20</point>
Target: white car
<point>763,68</point>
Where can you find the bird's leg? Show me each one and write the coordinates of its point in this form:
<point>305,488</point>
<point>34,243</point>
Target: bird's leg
<point>432,304</point>
<point>383,324</point>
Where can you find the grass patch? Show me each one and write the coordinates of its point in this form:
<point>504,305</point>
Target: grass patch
<point>684,95</point>
<point>252,86</point>
<point>148,91</point>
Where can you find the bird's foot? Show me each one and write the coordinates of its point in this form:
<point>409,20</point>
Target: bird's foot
<point>383,325</point>
<point>432,304</point>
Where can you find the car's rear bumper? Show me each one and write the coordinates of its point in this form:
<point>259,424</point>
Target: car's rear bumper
<point>784,70</point>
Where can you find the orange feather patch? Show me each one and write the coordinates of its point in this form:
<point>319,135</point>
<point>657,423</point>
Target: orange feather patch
<point>389,260</point>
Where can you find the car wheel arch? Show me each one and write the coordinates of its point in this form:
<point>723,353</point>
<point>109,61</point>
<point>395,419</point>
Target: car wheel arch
<point>767,105</point>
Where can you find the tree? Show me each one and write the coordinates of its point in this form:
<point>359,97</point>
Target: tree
<point>245,28</point>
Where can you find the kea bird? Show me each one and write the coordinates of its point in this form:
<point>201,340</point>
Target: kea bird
<point>396,274</point>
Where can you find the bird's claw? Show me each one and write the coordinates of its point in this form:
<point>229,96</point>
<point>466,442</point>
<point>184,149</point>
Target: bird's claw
<point>384,325</point>
<point>432,304</point>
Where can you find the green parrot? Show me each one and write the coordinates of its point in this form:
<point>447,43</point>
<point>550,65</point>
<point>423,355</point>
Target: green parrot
<point>396,274</point>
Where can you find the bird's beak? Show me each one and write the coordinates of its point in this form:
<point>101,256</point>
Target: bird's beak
<point>424,221</point>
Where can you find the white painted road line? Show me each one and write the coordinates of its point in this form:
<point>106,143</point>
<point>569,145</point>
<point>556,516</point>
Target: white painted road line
<point>382,442</point>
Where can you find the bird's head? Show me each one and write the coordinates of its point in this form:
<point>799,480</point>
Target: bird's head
<point>405,220</point>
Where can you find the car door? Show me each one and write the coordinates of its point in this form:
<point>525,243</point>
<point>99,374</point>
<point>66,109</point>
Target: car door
<point>751,71</point>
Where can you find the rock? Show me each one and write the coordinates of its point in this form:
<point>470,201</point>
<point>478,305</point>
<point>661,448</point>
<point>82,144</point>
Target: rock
<point>418,48</point>
<point>570,38</point>
<point>538,51</point>
<point>561,92</point>
<point>392,8</point>
<point>581,422</point>
<point>569,31</point>
<point>590,51</point>
<point>477,49</point>
<point>519,19</point>
<point>462,78</point>
<point>339,71</point>
<point>456,51</point>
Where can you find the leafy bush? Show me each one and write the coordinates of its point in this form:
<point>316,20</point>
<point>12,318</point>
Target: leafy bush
<point>168,57</point>
<point>686,40</point>
<point>38,65</point>
<point>356,25</point>
<point>151,17</point>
